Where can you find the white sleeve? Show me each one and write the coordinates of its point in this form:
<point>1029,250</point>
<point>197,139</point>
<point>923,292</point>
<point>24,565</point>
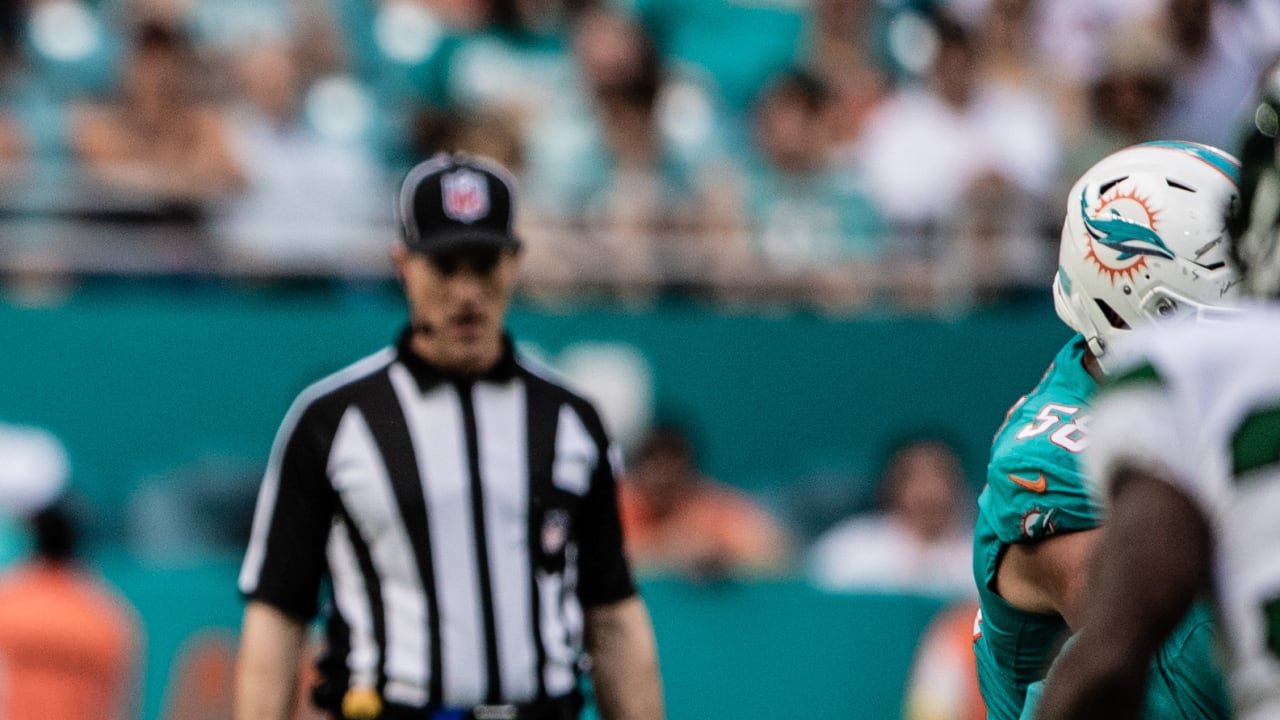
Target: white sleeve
<point>1136,425</point>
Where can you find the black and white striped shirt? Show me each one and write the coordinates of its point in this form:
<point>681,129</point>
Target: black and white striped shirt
<point>465,524</point>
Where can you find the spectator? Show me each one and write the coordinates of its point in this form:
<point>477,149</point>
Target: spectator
<point>603,164</point>
<point>309,196</point>
<point>836,34</point>
<point>201,677</point>
<point>675,519</point>
<point>1072,41</point>
<point>1219,49</point>
<point>999,247</point>
<point>157,141</point>
<point>494,56</point>
<point>1004,42</point>
<point>811,228</point>
<point>69,646</point>
<point>201,684</point>
<point>197,508</point>
<point>838,48</point>
<point>476,132</point>
<point>925,144</point>
<point>919,539</point>
<point>1124,103</point>
<point>33,471</point>
<point>943,684</point>
<point>734,46</point>
<point>925,149</point>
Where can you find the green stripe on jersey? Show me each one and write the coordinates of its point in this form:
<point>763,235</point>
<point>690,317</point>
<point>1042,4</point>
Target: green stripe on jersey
<point>1272,610</point>
<point>1256,443</point>
<point>1138,375</point>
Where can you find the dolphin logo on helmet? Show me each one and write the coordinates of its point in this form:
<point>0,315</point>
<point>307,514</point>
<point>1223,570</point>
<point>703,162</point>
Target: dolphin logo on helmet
<point>1126,236</point>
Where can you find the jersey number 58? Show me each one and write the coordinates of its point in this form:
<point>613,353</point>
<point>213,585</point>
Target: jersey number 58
<point>1069,430</point>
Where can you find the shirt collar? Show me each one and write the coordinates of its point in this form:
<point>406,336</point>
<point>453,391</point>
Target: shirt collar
<point>429,375</point>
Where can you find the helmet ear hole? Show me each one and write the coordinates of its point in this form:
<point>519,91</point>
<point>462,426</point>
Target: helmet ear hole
<point>1111,315</point>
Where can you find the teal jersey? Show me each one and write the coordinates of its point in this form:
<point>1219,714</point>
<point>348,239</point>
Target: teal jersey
<point>1035,489</point>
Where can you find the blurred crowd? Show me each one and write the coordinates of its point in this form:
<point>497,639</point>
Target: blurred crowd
<point>840,153</point>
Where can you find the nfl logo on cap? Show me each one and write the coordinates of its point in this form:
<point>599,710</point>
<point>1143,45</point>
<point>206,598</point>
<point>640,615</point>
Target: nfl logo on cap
<point>456,201</point>
<point>466,195</point>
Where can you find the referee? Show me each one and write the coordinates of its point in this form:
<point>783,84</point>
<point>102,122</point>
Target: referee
<point>460,502</point>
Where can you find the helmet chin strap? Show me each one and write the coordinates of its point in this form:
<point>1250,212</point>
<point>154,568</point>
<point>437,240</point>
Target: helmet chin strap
<point>1098,365</point>
<point>1097,347</point>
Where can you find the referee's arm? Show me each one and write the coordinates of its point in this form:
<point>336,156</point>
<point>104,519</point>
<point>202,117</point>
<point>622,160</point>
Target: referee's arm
<point>267,663</point>
<point>619,634</point>
<point>624,661</point>
<point>282,571</point>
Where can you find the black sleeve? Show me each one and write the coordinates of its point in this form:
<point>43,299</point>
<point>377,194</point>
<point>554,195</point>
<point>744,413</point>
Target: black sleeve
<point>604,575</point>
<point>285,562</point>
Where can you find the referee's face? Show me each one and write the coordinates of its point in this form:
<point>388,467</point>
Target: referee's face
<point>457,303</point>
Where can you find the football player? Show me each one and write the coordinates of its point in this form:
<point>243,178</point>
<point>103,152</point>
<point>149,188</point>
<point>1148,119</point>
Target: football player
<point>1187,452</point>
<point>1143,240</point>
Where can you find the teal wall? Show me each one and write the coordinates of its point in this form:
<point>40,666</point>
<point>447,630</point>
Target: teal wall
<point>748,650</point>
<point>137,380</point>
<point>178,603</point>
<point>772,650</point>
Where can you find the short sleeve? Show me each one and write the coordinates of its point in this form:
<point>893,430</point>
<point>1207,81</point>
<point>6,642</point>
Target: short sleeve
<point>285,561</point>
<point>1034,494</point>
<point>604,574</point>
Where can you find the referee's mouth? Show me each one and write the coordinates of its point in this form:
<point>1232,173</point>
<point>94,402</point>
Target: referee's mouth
<point>468,324</point>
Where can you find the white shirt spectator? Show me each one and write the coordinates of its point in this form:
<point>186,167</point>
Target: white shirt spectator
<point>309,202</point>
<point>919,155</point>
<point>877,552</point>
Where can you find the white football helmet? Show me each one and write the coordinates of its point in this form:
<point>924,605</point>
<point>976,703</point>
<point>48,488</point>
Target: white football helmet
<point>1145,237</point>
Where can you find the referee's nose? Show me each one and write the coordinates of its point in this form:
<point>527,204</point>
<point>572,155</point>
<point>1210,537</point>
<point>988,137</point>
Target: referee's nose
<point>468,284</point>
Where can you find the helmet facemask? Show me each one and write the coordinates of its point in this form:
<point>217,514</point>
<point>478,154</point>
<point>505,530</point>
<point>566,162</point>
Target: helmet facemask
<point>1255,221</point>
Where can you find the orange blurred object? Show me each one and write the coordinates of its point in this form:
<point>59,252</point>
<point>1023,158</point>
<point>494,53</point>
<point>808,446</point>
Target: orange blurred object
<point>69,647</point>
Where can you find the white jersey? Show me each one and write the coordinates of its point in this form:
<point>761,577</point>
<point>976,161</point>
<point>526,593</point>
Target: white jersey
<point>1200,404</point>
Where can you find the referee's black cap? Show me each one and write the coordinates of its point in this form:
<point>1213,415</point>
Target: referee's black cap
<point>455,201</point>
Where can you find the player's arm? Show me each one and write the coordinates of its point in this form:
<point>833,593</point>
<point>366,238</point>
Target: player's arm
<point>1051,575</point>
<point>1152,563</point>
<point>624,661</point>
<point>271,645</point>
<point>1042,511</point>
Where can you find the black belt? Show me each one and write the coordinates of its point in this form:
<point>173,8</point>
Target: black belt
<point>561,708</point>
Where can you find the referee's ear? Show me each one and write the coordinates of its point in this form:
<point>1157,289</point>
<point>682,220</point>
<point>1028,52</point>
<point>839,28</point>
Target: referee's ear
<point>399,257</point>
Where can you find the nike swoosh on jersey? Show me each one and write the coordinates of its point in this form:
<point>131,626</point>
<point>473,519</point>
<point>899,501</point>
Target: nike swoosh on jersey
<point>1037,486</point>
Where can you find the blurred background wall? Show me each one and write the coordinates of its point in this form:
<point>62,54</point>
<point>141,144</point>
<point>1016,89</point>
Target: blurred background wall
<point>167,397</point>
